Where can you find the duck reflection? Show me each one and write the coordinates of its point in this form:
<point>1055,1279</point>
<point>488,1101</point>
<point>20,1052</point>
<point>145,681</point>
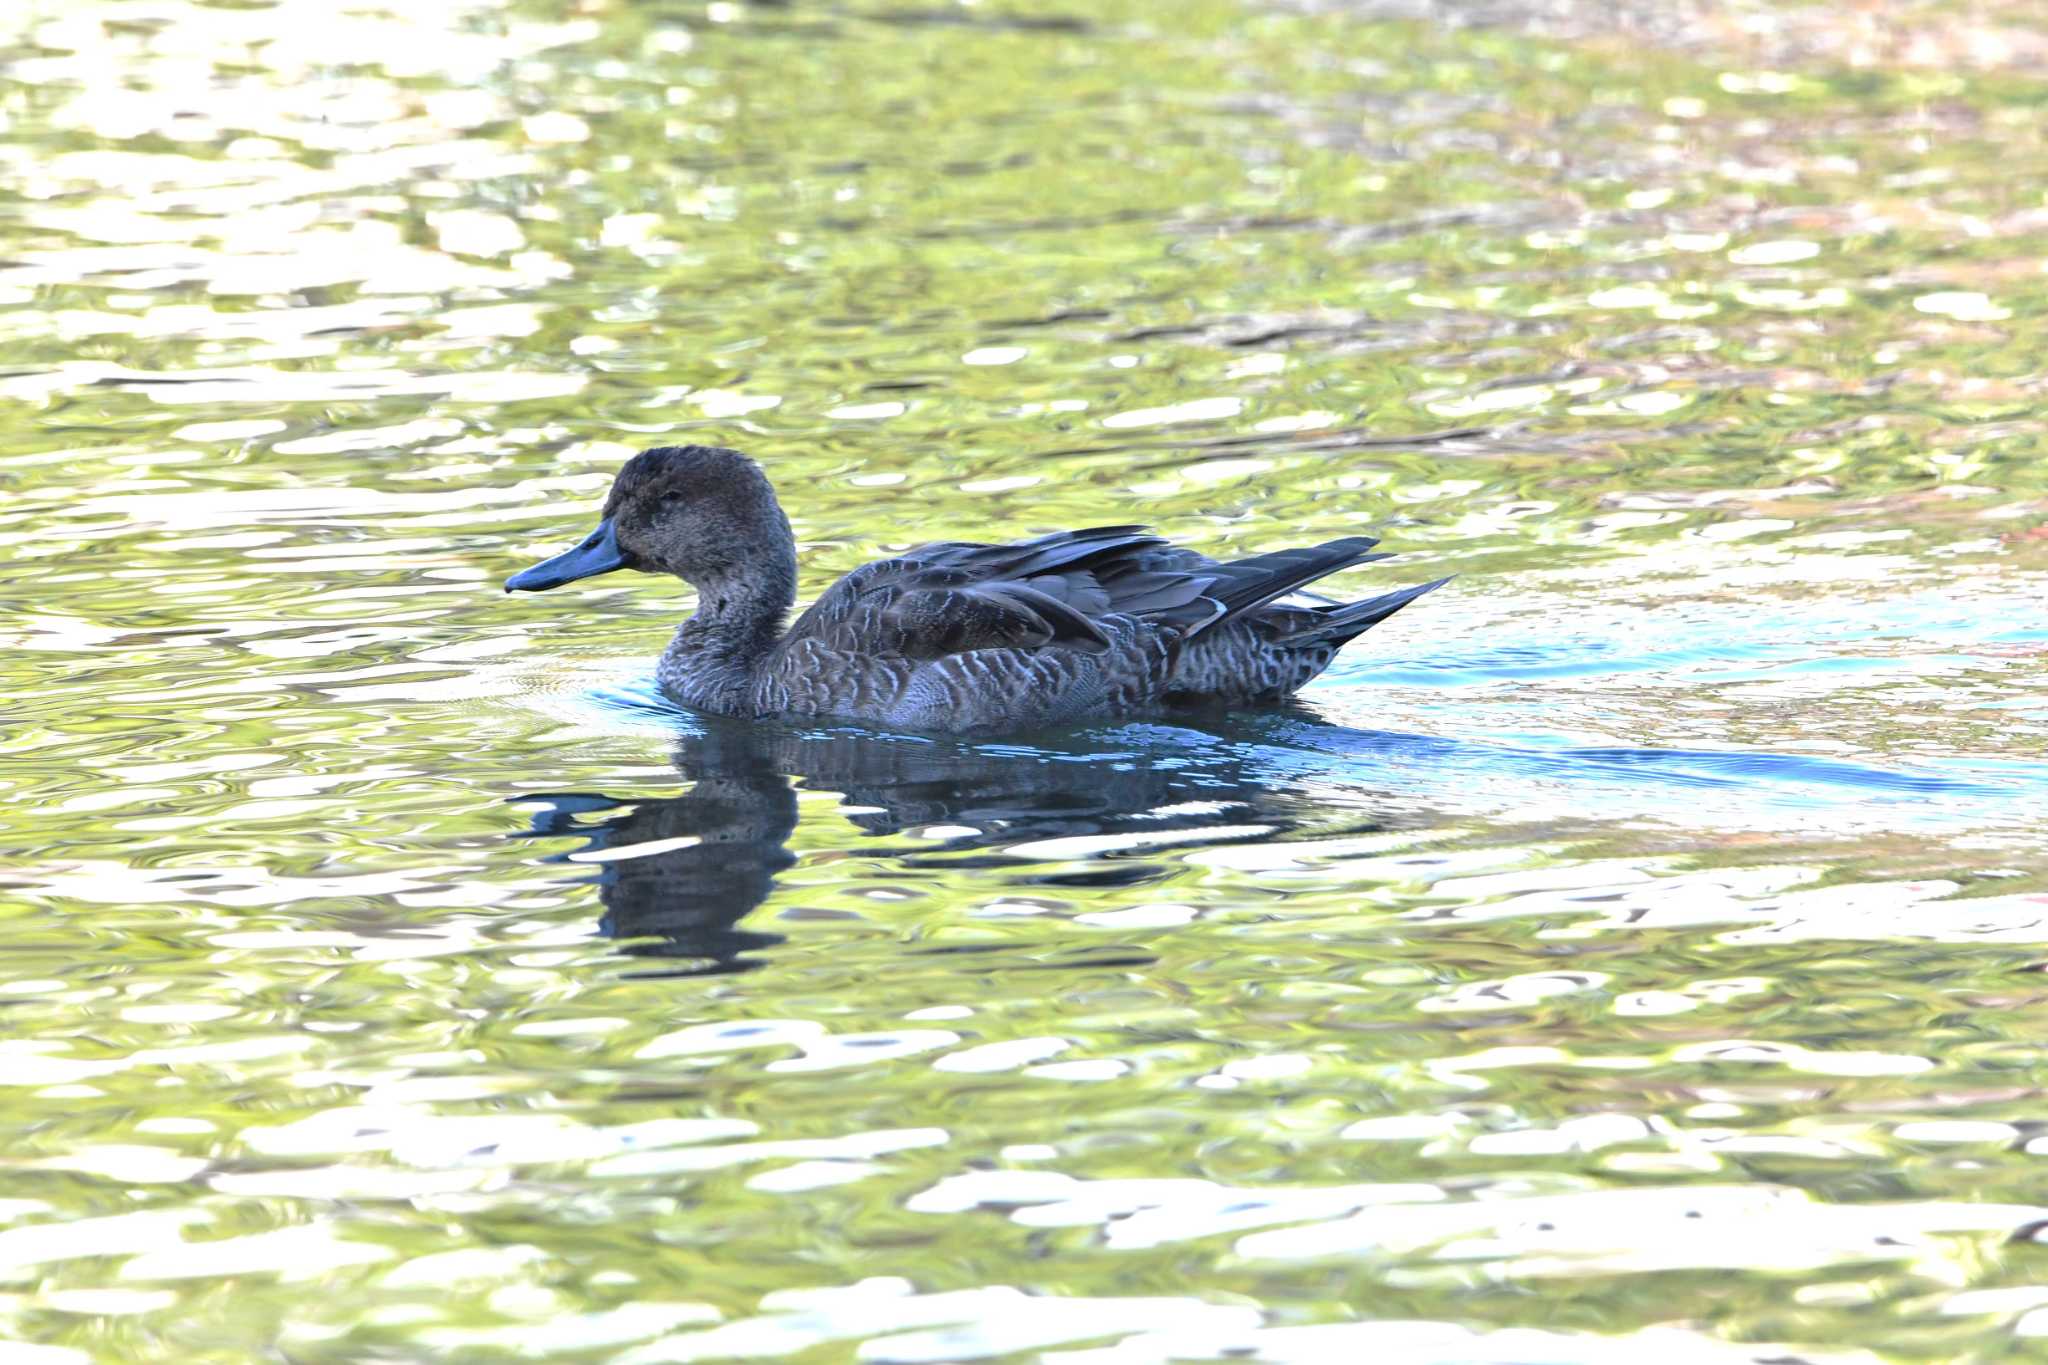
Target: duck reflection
<point>678,874</point>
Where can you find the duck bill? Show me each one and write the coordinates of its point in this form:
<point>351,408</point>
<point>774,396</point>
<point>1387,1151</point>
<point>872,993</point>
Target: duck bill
<point>599,553</point>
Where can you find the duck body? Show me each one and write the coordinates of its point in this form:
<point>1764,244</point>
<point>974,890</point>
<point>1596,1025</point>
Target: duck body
<point>954,637</point>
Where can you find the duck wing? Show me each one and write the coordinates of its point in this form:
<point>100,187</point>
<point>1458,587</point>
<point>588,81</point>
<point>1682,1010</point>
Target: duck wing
<point>1248,584</point>
<point>1195,592</point>
<point>955,596</point>
<point>1055,590</point>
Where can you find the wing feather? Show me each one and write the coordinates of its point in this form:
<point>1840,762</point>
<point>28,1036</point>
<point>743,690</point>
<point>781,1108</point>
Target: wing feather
<point>1053,591</point>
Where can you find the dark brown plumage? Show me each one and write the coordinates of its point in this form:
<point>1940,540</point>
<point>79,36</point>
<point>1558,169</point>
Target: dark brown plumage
<point>958,636</point>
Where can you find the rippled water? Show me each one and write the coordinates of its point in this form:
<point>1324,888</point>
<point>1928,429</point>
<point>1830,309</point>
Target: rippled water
<point>1633,952</point>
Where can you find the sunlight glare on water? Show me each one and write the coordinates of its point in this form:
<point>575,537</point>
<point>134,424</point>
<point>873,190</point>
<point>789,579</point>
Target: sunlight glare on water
<point>1631,952</point>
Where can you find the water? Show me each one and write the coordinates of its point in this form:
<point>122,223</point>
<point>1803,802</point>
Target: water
<point>1630,952</point>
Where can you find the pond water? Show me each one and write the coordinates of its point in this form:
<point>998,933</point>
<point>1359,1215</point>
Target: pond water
<point>1633,951</point>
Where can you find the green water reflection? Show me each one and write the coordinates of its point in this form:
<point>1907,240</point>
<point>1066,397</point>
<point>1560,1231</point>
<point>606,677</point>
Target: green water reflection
<point>1633,952</point>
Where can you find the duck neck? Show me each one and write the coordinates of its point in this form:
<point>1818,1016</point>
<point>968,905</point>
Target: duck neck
<point>719,651</point>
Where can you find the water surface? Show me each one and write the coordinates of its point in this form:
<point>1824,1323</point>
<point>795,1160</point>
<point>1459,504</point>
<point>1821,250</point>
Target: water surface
<point>1629,952</point>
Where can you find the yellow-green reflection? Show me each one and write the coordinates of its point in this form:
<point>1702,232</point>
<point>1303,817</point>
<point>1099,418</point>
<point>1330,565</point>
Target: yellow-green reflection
<point>1630,956</point>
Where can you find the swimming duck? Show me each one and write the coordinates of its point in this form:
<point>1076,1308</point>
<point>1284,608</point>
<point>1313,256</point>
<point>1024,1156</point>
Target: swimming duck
<point>957,637</point>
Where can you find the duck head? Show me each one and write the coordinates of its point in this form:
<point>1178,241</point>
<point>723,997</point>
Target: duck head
<point>703,513</point>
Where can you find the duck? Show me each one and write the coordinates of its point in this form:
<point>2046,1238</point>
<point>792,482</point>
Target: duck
<point>959,637</point>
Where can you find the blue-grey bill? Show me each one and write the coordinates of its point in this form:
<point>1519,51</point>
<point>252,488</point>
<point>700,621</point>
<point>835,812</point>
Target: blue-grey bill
<point>599,553</point>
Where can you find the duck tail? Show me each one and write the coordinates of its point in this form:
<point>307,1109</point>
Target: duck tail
<point>1337,624</point>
